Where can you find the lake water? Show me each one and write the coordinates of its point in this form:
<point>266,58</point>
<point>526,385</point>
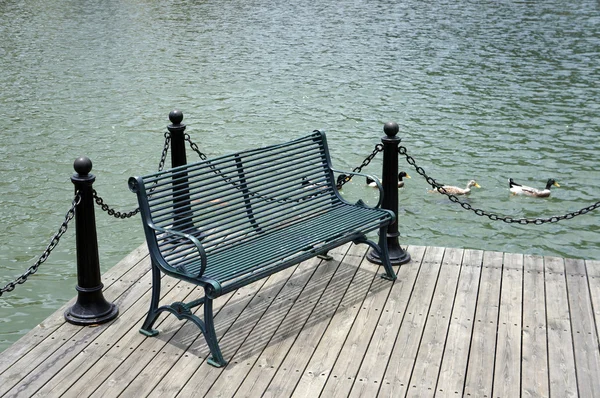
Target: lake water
<point>482,90</point>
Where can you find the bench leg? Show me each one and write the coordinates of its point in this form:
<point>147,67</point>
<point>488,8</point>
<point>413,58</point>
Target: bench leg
<point>183,311</point>
<point>385,256</point>
<point>206,326</point>
<point>153,312</point>
<point>382,250</point>
<point>210,335</point>
<point>325,256</point>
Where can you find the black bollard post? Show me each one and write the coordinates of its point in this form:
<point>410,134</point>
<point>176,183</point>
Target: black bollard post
<point>390,195</point>
<point>177,130</point>
<point>181,202</point>
<point>91,307</point>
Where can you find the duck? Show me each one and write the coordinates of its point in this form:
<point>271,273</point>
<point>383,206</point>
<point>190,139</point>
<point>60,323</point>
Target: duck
<point>401,175</point>
<point>452,190</point>
<point>518,189</point>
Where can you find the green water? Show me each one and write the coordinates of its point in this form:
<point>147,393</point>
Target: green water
<point>483,90</point>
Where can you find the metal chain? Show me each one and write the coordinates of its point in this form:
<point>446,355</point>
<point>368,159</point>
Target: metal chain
<point>344,178</point>
<point>118,214</point>
<point>55,239</point>
<point>161,163</point>
<point>230,180</point>
<point>69,216</point>
<point>163,156</point>
<point>110,211</point>
<point>194,147</point>
<point>507,219</point>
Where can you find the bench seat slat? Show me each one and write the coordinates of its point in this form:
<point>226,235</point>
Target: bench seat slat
<point>234,261</point>
<point>237,233</point>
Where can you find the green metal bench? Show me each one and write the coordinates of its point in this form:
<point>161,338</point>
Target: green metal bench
<point>226,222</point>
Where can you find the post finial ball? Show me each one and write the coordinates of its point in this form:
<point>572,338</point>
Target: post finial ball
<point>82,165</point>
<point>176,116</point>
<point>391,129</point>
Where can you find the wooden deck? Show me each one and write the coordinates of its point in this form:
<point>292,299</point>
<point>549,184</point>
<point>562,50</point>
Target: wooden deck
<point>455,323</point>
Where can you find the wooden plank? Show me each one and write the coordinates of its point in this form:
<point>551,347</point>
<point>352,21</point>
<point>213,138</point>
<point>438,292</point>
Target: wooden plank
<point>130,262</point>
<point>480,369</point>
<point>231,378</point>
<point>177,345</point>
<point>85,344</point>
<point>402,359</point>
<point>84,373</point>
<point>113,287</point>
<point>429,358</point>
<point>68,340</point>
<point>348,334</point>
<point>372,369</point>
<point>247,329</point>
<point>80,361</point>
<point>178,375</point>
<point>534,356</point>
<point>507,369</point>
<point>280,365</point>
<point>340,299</point>
<point>585,337</point>
<point>133,263</point>
<point>194,351</point>
<point>560,342</point>
<point>452,375</point>
<point>593,273</point>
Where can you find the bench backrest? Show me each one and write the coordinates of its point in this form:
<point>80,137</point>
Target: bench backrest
<point>229,199</point>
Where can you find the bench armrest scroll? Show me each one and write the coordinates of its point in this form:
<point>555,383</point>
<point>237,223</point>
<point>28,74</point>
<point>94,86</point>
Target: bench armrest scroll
<point>374,178</point>
<point>190,238</point>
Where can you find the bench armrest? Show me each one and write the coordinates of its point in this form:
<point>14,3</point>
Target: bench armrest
<point>374,178</point>
<point>190,238</point>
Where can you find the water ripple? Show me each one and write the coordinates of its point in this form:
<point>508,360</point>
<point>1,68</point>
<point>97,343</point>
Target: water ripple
<point>481,90</point>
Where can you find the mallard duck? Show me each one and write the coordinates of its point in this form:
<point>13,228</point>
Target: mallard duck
<point>452,190</point>
<point>518,189</point>
<point>401,175</point>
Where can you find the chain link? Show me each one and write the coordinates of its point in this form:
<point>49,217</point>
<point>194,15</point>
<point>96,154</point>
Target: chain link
<point>117,214</point>
<point>492,216</point>
<point>230,180</point>
<point>344,178</point>
<point>110,211</point>
<point>55,239</point>
<point>194,147</point>
<point>163,156</point>
<point>71,213</point>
